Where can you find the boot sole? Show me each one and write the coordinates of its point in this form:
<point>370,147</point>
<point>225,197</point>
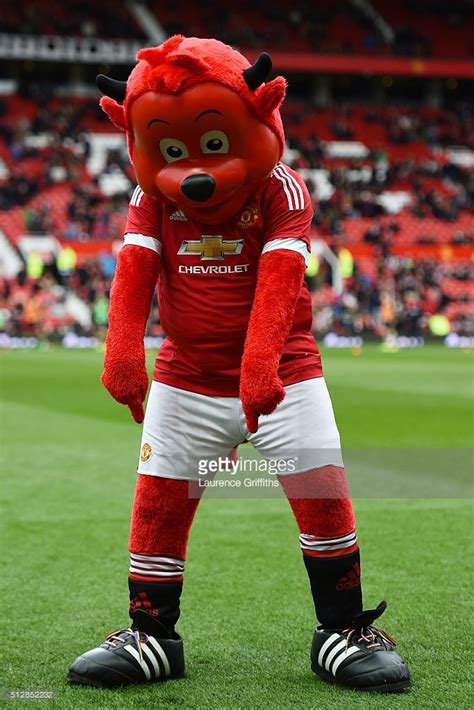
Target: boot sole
<point>398,687</point>
<point>77,679</point>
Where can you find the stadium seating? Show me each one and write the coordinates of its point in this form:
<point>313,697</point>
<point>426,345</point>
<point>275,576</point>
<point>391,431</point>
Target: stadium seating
<point>427,28</point>
<point>436,28</point>
<point>380,181</point>
<point>75,18</point>
<point>328,26</point>
<point>392,184</point>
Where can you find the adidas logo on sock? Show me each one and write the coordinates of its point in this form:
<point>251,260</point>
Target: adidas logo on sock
<point>142,602</point>
<point>178,216</point>
<point>351,580</point>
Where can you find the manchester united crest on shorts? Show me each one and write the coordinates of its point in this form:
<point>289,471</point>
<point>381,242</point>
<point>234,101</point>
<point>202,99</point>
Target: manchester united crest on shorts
<point>145,453</point>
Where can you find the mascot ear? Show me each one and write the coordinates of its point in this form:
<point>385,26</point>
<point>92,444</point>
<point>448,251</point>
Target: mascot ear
<point>114,111</point>
<point>258,72</point>
<point>271,95</point>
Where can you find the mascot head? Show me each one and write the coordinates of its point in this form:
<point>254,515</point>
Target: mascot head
<point>203,129</point>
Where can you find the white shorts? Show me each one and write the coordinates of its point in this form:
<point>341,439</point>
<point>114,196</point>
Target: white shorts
<point>183,429</point>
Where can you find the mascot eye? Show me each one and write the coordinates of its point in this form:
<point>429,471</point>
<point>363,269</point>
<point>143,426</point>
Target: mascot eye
<point>172,149</point>
<point>214,142</point>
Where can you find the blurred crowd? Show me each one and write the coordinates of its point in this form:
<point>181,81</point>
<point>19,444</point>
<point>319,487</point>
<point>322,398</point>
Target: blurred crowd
<point>324,27</point>
<point>47,148</point>
<point>329,26</point>
<point>90,215</point>
<point>47,188</point>
<point>394,296</point>
<point>403,298</point>
<point>400,125</point>
<point>59,296</point>
<point>438,188</point>
<point>56,298</point>
<point>277,24</point>
<point>60,159</point>
<point>74,18</point>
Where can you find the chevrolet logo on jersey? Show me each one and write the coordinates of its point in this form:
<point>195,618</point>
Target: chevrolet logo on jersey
<point>211,247</point>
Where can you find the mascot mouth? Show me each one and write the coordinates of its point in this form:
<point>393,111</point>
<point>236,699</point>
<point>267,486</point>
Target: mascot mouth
<point>216,206</point>
<point>208,211</point>
<point>206,187</point>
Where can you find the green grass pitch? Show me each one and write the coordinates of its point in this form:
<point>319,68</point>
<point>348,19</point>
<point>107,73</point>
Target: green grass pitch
<point>69,454</point>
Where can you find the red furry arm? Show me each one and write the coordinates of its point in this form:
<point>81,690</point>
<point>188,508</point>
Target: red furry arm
<point>280,275</point>
<point>124,374</point>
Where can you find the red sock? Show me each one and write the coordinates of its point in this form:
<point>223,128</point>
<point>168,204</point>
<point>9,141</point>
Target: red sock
<point>162,515</point>
<point>321,504</point>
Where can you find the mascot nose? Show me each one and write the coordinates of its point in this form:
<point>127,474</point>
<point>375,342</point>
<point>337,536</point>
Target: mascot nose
<point>198,187</point>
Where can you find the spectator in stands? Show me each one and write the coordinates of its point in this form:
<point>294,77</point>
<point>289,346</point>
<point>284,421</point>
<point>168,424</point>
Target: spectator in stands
<point>401,297</point>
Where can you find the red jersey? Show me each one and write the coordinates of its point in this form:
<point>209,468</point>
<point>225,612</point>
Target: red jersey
<point>207,283</point>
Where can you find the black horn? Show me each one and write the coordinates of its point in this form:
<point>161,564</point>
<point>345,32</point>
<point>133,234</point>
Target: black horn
<point>258,72</point>
<point>111,87</point>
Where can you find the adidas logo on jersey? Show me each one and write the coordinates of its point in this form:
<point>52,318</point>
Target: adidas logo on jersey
<point>178,216</point>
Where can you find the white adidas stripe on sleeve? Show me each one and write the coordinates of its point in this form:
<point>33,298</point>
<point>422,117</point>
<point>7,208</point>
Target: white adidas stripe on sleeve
<point>137,196</point>
<point>132,199</point>
<point>294,183</point>
<point>285,187</point>
<point>290,185</point>
<point>293,191</point>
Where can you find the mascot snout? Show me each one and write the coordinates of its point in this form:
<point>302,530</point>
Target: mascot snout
<point>212,192</point>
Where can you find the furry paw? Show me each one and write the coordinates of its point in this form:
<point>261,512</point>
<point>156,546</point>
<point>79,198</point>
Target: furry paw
<point>127,382</point>
<point>260,393</point>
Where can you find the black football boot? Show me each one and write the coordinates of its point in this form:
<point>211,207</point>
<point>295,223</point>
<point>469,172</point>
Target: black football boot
<point>360,657</point>
<point>144,653</point>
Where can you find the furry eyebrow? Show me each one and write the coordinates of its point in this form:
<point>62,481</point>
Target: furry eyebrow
<point>157,120</point>
<point>209,110</point>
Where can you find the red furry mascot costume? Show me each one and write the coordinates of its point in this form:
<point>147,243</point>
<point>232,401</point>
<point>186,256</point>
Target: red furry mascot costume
<point>222,226</point>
